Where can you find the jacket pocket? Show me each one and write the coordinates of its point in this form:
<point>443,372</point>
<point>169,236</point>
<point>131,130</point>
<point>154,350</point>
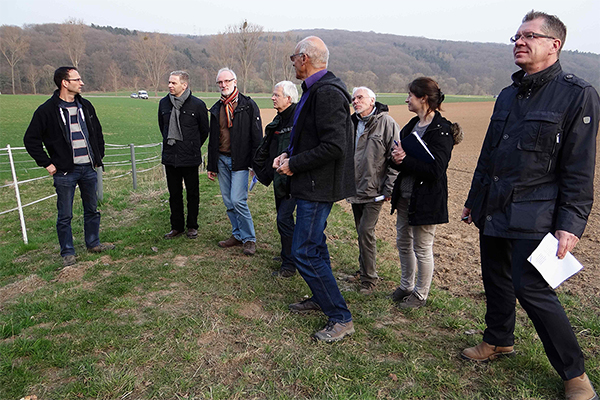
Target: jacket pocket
<point>540,131</point>
<point>498,121</point>
<point>532,208</point>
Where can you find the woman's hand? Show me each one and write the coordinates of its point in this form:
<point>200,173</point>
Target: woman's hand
<point>398,153</point>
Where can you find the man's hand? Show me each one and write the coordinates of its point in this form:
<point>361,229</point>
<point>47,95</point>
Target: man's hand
<point>284,168</point>
<point>211,175</point>
<point>466,216</point>
<point>566,242</point>
<point>278,160</point>
<point>51,169</point>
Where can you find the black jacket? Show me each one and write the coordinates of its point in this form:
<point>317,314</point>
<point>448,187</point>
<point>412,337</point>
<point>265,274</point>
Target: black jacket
<point>275,142</point>
<point>429,199</point>
<point>323,144</point>
<point>246,134</point>
<point>535,172</point>
<point>49,128</point>
<point>193,120</point>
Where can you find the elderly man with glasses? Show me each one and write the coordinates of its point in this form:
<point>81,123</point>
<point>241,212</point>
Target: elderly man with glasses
<point>235,133</point>
<point>534,176</point>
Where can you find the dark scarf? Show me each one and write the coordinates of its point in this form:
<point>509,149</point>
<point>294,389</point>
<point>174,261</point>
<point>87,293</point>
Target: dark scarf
<point>174,127</point>
<point>228,102</point>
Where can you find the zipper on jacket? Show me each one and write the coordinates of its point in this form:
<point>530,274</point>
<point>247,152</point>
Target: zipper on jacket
<point>554,145</point>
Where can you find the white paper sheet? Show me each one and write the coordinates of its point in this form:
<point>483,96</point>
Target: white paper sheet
<point>554,270</point>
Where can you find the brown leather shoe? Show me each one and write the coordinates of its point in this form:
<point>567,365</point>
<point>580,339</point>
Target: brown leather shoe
<point>192,233</point>
<point>101,247</point>
<point>173,234</point>
<point>580,388</point>
<point>484,352</point>
<point>305,305</point>
<point>249,248</point>
<point>231,242</point>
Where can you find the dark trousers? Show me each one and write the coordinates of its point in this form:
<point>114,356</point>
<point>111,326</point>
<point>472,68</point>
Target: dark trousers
<point>365,220</point>
<point>507,276</point>
<point>285,225</point>
<point>175,177</point>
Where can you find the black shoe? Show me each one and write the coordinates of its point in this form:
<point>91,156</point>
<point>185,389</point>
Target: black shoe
<point>399,294</point>
<point>173,234</point>
<point>283,273</point>
<point>304,305</point>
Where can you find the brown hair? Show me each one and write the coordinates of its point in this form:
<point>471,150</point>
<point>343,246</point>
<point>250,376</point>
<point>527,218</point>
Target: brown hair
<point>552,26</point>
<point>425,86</point>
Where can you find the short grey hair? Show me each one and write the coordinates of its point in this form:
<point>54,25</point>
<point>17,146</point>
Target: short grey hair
<point>318,57</point>
<point>184,77</point>
<point>366,89</point>
<point>226,69</point>
<point>289,90</point>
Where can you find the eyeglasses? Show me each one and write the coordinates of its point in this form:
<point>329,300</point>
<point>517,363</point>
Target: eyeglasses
<point>295,55</point>
<point>529,36</point>
<point>74,80</point>
<point>358,97</point>
<point>225,81</point>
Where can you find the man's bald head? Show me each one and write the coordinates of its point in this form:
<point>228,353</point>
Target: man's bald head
<point>315,49</point>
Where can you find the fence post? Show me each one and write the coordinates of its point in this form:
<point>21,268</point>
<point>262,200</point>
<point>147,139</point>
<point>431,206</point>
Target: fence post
<point>99,184</point>
<point>133,168</point>
<point>18,194</point>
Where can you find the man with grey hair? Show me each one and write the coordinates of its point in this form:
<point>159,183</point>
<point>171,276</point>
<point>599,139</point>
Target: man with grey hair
<point>534,177</point>
<point>235,133</point>
<point>183,122</point>
<point>319,162</point>
<point>275,141</point>
<point>376,132</point>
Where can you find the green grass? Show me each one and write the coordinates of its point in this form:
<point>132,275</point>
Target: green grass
<point>158,319</point>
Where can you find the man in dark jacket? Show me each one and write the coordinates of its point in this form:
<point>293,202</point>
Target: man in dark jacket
<point>534,176</point>
<point>320,163</point>
<point>275,142</point>
<point>235,133</point>
<point>183,122</point>
<point>69,128</point>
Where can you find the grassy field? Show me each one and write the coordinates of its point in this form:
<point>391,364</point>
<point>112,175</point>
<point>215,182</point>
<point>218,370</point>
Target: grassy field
<point>182,319</point>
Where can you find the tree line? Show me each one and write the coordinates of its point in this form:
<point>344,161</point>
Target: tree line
<point>116,59</point>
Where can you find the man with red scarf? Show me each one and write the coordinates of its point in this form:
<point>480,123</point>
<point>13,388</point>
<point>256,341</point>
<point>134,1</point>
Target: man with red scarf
<point>235,133</point>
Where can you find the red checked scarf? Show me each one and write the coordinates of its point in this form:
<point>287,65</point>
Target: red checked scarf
<point>228,102</point>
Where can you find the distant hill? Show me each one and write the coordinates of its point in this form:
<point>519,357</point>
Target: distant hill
<point>110,60</point>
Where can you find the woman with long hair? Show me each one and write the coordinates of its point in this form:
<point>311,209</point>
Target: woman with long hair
<point>420,193</point>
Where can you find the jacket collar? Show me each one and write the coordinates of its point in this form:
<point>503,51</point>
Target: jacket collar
<point>529,83</point>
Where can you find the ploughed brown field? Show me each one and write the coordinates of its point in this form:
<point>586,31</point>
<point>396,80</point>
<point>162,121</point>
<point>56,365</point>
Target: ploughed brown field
<point>456,248</point>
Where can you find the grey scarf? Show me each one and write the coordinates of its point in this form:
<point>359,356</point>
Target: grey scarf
<point>174,127</point>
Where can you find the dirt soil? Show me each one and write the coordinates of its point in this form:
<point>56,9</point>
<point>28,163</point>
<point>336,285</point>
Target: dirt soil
<point>456,248</point>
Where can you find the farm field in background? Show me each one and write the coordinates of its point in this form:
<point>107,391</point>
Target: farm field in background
<point>185,319</point>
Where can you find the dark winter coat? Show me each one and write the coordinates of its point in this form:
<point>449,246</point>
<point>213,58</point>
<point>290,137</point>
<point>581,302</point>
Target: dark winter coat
<point>48,128</point>
<point>193,120</point>
<point>275,142</point>
<point>536,168</point>
<point>246,134</point>
<point>429,199</point>
<point>323,144</point>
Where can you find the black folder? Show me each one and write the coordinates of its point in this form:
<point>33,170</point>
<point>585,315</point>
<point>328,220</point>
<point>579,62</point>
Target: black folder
<point>415,147</point>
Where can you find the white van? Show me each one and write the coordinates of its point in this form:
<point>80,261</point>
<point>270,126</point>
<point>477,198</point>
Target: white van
<point>142,94</point>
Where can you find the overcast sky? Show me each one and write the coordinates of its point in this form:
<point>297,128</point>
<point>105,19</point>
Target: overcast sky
<point>462,20</point>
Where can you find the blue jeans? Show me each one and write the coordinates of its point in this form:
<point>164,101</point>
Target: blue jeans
<point>309,248</point>
<point>285,225</point>
<point>234,190</point>
<point>65,183</point>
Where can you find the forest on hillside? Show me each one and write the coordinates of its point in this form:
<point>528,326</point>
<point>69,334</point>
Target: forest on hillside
<point>114,59</point>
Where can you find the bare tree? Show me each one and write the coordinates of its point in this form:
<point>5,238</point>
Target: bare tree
<point>272,57</point>
<point>114,74</point>
<point>246,38</point>
<point>222,50</point>
<point>32,73</point>
<point>73,40</point>
<point>151,52</point>
<point>286,49</point>
<point>13,45</point>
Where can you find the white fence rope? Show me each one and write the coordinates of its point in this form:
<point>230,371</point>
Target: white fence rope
<point>10,152</point>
